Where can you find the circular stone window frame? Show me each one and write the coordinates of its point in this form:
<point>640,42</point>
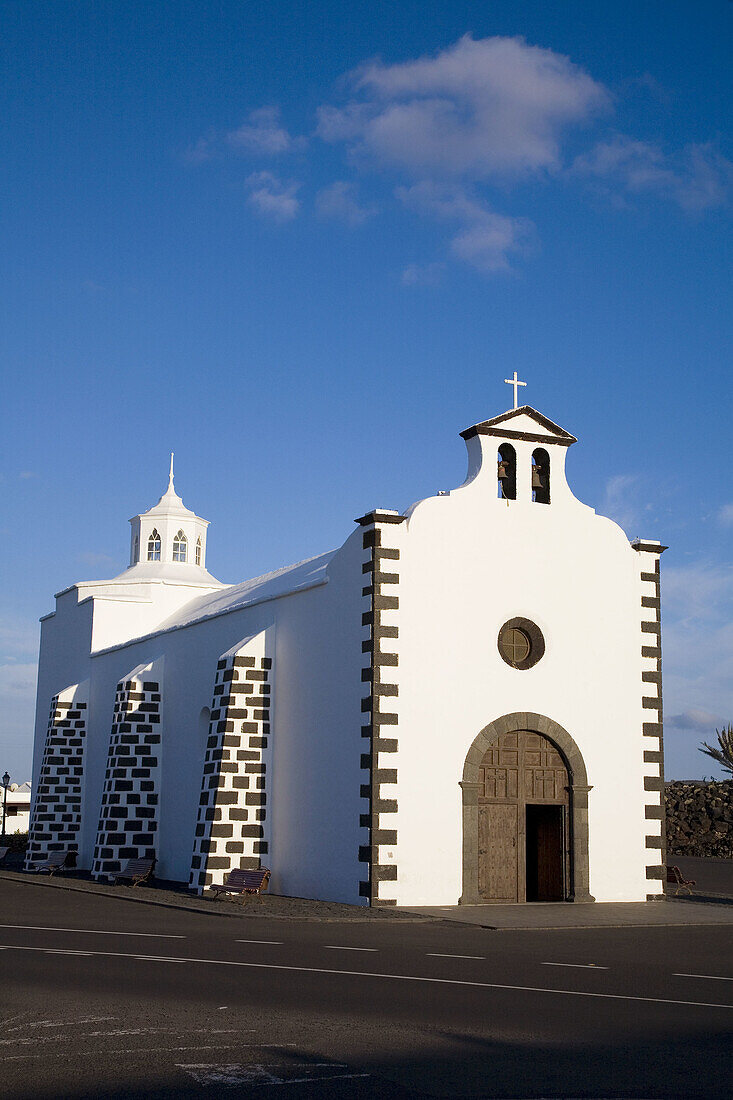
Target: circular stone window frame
<point>536,642</point>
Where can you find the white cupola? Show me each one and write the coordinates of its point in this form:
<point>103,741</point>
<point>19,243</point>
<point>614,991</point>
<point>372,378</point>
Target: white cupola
<point>169,537</point>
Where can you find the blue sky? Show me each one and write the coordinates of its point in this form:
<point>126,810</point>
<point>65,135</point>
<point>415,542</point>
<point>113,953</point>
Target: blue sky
<point>303,245</point>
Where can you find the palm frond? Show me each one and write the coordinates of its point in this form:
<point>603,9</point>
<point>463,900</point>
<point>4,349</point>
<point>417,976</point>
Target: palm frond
<point>724,754</point>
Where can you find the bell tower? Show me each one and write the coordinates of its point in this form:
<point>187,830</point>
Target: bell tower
<point>519,457</point>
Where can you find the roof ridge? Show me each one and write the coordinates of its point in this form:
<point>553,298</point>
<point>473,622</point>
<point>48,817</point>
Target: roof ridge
<point>485,426</point>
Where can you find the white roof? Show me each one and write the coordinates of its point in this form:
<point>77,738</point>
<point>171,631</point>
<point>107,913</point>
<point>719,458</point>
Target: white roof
<point>170,504</point>
<point>270,586</point>
<point>177,572</point>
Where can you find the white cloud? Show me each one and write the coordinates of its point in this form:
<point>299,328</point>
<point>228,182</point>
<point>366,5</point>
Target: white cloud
<point>486,240</point>
<point>488,243</point>
<point>696,178</point>
<point>272,197</point>
<point>725,515</point>
<point>201,150</point>
<point>477,111</point>
<point>480,108</point>
<point>340,201</point>
<point>443,200</point>
<point>482,112</point>
<point>620,502</point>
<point>698,591</point>
<point>422,274</point>
<point>262,134</point>
<point>18,680</point>
<point>700,720</point>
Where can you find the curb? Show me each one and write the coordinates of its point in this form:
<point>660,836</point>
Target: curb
<point>74,886</point>
<point>100,892</point>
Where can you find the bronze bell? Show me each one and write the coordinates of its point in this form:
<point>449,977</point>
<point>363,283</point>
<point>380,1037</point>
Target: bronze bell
<point>537,482</point>
<point>503,470</point>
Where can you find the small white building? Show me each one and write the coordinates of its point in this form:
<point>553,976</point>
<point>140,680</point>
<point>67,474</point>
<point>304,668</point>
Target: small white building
<point>17,807</point>
<point>462,702</point>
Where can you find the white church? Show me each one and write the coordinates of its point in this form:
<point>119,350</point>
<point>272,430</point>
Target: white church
<point>461,703</point>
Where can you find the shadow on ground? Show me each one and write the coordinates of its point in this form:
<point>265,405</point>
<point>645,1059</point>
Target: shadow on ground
<point>662,1067</point>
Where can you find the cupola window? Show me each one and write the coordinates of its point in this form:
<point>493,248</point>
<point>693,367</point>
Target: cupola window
<point>136,551</point>
<point>154,546</point>
<point>507,472</point>
<point>198,551</point>
<point>540,476</point>
<point>180,546</point>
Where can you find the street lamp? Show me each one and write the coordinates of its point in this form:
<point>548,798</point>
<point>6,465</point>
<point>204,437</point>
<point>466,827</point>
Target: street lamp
<point>6,784</point>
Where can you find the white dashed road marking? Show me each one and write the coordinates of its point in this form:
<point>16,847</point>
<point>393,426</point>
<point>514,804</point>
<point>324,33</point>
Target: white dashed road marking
<point>631,998</point>
<point>92,931</point>
<point>276,942</point>
<point>712,977</point>
<point>60,951</point>
<point>337,947</point>
<point>443,955</point>
<point>578,966</point>
<point>153,958</point>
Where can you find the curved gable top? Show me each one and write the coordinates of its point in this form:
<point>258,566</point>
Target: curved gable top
<point>522,423</point>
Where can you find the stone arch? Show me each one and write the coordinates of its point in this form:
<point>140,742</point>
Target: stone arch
<point>537,723</point>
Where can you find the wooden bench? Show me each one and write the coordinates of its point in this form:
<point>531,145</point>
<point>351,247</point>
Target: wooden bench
<point>675,876</point>
<point>56,861</point>
<point>137,871</point>
<point>242,882</point>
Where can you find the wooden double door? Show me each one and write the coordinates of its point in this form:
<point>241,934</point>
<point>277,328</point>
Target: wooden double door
<point>523,825</point>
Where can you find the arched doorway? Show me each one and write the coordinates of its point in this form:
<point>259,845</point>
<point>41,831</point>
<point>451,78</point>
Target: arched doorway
<point>525,814</point>
<point>523,820</point>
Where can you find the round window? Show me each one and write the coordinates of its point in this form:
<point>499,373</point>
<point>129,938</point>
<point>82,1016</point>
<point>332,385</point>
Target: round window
<point>521,643</point>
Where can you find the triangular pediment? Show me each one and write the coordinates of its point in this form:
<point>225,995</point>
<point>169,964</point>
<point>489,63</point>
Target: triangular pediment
<point>522,423</point>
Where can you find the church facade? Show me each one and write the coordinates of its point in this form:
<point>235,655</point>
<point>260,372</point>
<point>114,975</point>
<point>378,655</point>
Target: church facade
<point>461,703</point>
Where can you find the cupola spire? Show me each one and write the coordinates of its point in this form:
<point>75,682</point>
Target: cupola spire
<point>169,535</point>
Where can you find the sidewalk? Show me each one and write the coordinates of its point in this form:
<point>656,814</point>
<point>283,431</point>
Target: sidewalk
<point>672,911</point>
<point>552,915</point>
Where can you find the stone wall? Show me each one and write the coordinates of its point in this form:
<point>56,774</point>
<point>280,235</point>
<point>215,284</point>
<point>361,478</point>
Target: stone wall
<point>55,821</point>
<point>700,818</point>
<point>230,831</point>
<point>128,821</point>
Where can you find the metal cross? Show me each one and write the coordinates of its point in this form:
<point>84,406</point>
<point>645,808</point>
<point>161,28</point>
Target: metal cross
<point>514,382</point>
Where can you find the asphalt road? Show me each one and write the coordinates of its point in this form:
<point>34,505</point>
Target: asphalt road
<point>101,998</point>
